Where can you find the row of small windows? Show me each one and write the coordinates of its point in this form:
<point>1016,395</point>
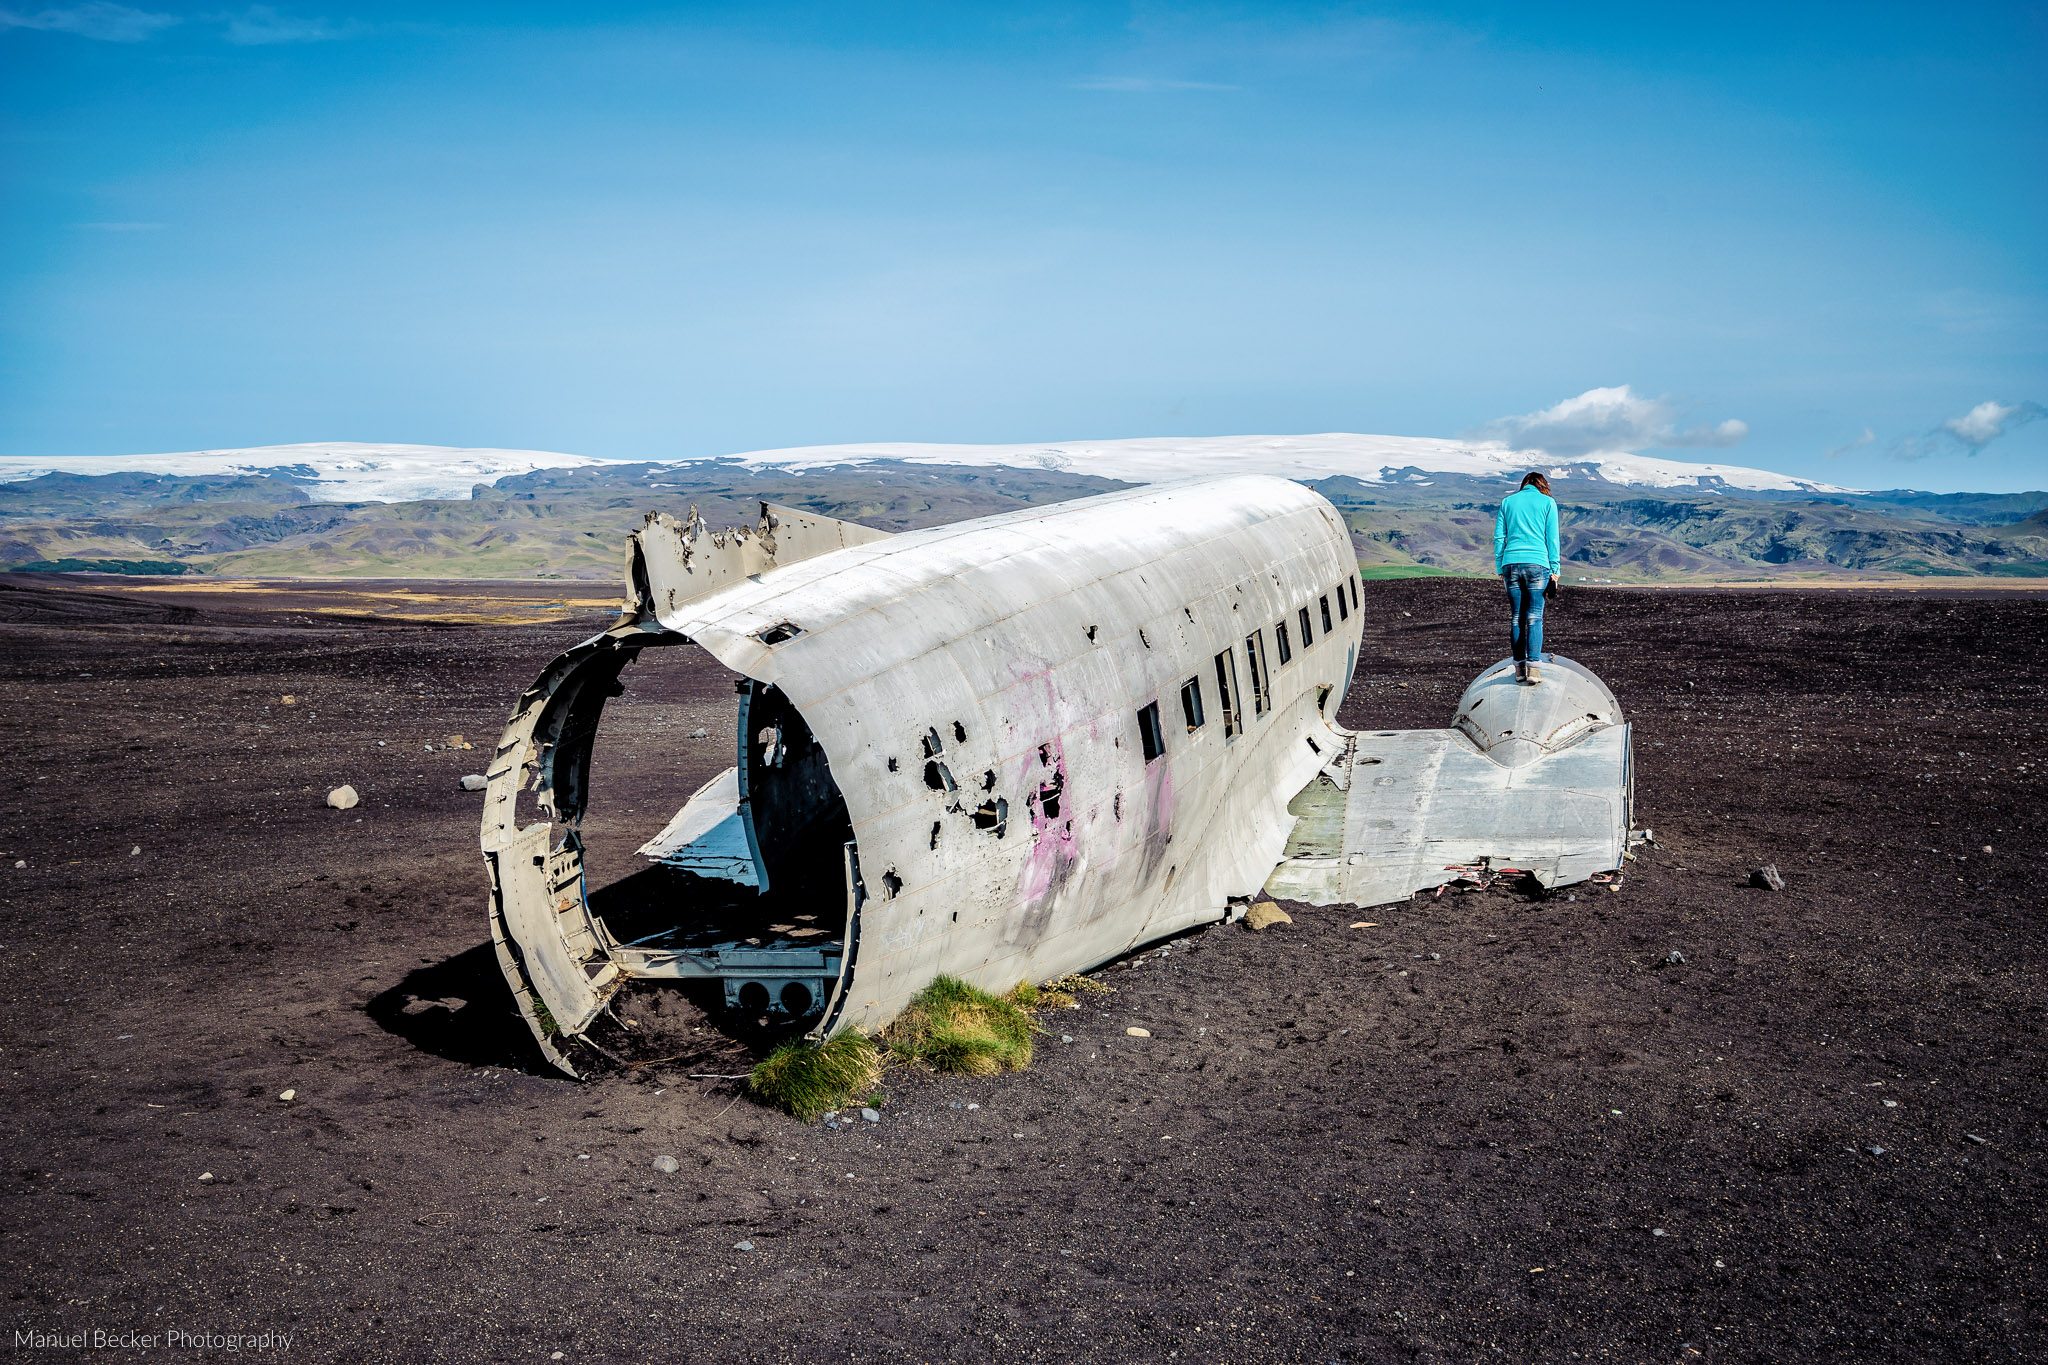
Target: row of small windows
<point>1228,693</point>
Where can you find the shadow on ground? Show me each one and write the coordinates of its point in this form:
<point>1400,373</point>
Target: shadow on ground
<point>461,1009</point>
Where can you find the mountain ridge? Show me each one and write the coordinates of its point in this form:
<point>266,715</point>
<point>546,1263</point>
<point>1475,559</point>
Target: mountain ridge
<point>362,471</point>
<point>284,511</point>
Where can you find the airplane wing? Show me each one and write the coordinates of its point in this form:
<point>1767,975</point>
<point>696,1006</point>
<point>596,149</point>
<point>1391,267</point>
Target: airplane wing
<point>1534,779</point>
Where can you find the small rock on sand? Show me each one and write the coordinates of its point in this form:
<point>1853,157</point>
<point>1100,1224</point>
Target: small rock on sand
<point>742,1246</point>
<point>1768,878</point>
<point>1264,915</point>
<point>871,1115</point>
<point>288,1095</point>
<point>343,798</point>
<point>474,782</point>
<point>700,733</point>
<point>1135,1032</point>
<point>667,1165</point>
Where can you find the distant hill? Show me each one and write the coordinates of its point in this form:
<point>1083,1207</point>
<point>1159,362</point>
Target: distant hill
<point>1413,505</point>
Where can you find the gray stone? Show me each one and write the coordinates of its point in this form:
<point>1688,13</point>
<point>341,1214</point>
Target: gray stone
<point>474,782</point>
<point>871,1115</point>
<point>742,1246</point>
<point>700,733</point>
<point>1874,1150</point>
<point>1767,877</point>
<point>1674,958</point>
<point>667,1165</point>
<point>343,798</point>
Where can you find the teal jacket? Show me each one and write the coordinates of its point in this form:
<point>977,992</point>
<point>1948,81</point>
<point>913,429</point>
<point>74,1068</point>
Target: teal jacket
<point>1525,532</point>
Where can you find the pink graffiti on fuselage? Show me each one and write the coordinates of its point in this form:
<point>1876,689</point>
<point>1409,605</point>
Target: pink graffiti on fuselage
<point>1053,851</point>
<point>1159,804</point>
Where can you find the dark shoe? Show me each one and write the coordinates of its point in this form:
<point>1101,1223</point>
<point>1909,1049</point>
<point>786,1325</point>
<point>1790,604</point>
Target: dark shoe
<point>1521,671</point>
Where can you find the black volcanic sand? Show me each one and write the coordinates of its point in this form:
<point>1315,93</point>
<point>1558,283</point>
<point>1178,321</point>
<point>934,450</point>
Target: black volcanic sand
<point>1484,1128</point>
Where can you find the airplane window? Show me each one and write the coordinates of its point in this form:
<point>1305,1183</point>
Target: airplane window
<point>1307,637</point>
<point>1191,703</point>
<point>1255,659</point>
<point>1280,639</point>
<point>1226,692</point>
<point>1354,590</point>
<point>1328,626</point>
<point>1149,733</point>
<point>1343,603</point>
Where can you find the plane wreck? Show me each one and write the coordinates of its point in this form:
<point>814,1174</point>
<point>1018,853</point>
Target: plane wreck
<point>1013,748</point>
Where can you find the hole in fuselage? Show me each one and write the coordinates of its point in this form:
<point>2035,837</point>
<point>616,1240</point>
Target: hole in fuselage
<point>741,898</point>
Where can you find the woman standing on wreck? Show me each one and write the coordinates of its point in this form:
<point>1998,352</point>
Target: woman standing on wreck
<point>1525,555</point>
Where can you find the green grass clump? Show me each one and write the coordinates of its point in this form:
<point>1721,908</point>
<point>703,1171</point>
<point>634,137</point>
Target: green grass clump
<point>807,1079</point>
<point>952,1026</point>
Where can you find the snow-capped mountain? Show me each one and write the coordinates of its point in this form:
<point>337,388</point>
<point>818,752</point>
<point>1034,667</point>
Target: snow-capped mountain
<point>1370,459</point>
<point>351,471</point>
<point>328,471</point>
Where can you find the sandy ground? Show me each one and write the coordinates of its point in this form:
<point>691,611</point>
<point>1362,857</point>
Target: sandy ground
<point>1484,1128</point>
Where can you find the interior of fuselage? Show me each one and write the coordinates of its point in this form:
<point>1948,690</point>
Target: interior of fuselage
<point>748,884</point>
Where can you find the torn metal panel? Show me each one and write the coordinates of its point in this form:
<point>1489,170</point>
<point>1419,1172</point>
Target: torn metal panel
<point>670,563</point>
<point>709,835</point>
<point>1536,779</point>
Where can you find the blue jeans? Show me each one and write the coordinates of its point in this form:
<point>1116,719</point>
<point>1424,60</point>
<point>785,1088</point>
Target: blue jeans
<point>1526,583</point>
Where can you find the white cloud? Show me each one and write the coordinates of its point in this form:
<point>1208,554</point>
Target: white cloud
<point>96,19</point>
<point>1146,85</point>
<point>262,26</point>
<point>1972,431</point>
<point>1869,437</point>
<point>1988,421</point>
<point>256,26</point>
<point>1609,419</point>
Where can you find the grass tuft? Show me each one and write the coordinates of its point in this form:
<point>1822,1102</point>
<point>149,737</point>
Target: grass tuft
<point>807,1078</point>
<point>952,1026</point>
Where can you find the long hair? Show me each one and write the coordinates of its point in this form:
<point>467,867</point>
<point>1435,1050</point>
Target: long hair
<point>1536,477</point>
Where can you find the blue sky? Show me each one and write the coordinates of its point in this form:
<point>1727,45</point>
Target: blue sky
<point>1811,238</point>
